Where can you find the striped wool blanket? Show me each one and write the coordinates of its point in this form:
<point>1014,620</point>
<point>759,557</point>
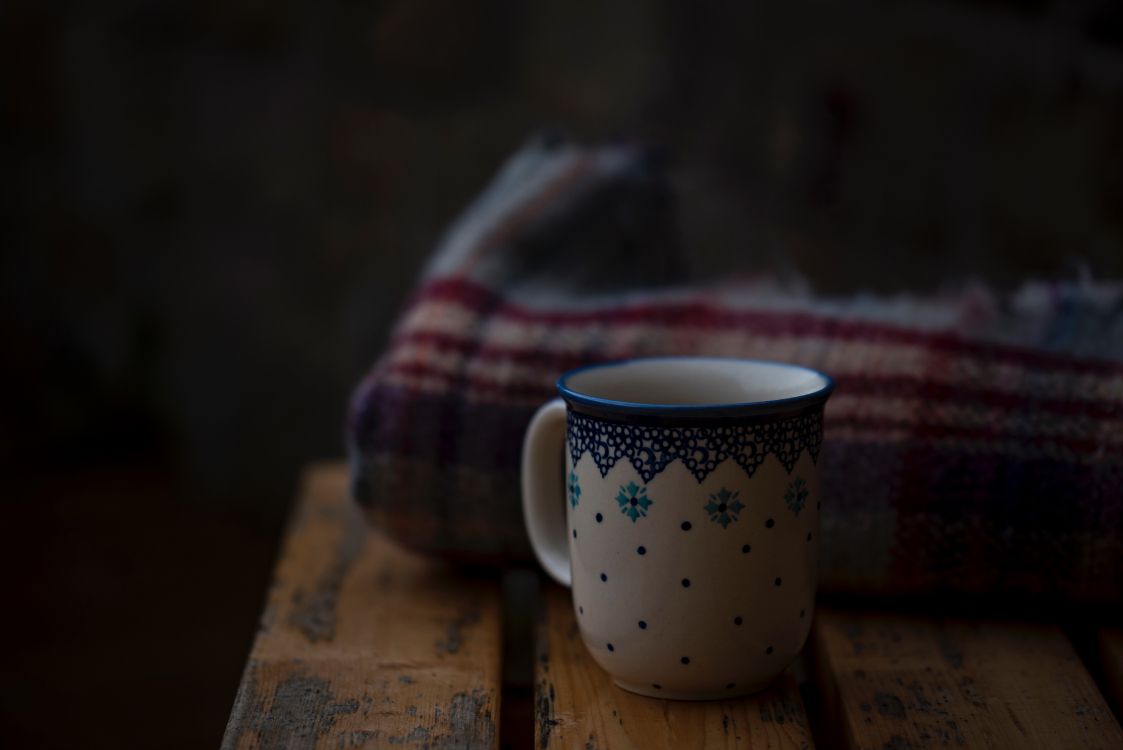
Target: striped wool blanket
<point>974,443</point>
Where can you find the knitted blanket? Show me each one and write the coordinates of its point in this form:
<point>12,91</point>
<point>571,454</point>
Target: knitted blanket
<point>974,443</point>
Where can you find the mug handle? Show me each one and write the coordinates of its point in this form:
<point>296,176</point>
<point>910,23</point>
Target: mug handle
<point>543,485</point>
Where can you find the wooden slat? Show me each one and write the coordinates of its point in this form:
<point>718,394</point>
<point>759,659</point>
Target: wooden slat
<point>364,645</point>
<point>910,682</point>
<point>1111,658</point>
<point>578,706</point>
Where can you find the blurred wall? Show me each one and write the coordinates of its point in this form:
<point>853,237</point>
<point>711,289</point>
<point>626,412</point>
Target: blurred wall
<point>218,206</point>
<point>213,209</point>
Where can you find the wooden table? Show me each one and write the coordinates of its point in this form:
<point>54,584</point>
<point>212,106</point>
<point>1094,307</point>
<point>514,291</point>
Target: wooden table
<point>365,645</point>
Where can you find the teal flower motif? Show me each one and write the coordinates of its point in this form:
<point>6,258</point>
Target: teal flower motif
<point>574,488</point>
<point>634,501</point>
<point>796,496</point>
<point>724,507</point>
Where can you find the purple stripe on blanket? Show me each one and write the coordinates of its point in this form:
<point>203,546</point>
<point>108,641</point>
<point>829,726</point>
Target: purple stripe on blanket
<point>946,537</point>
<point>432,427</point>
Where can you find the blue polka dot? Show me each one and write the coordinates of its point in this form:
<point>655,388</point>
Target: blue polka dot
<point>745,549</point>
<point>770,523</point>
<point>686,583</point>
<point>604,577</point>
<point>641,550</point>
<point>768,650</point>
<point>642,625</point>
<point>599,518</point>
<point>686,526</point>
<point>611,647</point>
<point>685,660</point>
<point>737,620</point>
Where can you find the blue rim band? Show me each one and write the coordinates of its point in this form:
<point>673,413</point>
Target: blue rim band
<point>630,410</point>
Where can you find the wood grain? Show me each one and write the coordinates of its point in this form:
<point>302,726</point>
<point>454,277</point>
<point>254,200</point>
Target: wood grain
<point>365,645</point>
<point>912,682</point>
<point>578,706</point>
<point>1111,659</point>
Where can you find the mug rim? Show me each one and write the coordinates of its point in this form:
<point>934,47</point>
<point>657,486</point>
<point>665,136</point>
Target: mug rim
<point>599,406</point>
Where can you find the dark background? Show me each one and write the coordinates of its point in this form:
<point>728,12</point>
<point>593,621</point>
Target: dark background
<point>211,211</point>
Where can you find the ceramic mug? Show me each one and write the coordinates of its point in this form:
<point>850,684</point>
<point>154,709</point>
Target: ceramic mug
<point>686,518</point>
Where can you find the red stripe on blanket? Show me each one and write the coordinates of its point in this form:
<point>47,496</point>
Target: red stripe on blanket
<point>701,315</point>
<point>877,424</point>
<point>865,385</point>
<point>924,431</point>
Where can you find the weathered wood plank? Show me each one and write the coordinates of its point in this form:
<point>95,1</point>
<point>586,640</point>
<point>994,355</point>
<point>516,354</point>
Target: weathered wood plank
<point>578,706</point>
<point>365,645</point>
<point>1111,658</point>
<point>896,681</point>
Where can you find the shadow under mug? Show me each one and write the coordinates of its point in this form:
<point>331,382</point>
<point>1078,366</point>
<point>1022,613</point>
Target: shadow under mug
<point>685,519</point>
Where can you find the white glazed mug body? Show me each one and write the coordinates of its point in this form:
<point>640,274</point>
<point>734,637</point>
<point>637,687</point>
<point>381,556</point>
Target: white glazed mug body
<point>691,529</point>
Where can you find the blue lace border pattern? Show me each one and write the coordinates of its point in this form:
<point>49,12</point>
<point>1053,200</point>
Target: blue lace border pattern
<point>650,449</point>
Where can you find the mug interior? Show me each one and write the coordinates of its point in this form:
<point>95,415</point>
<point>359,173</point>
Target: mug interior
<point>694,383</point>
